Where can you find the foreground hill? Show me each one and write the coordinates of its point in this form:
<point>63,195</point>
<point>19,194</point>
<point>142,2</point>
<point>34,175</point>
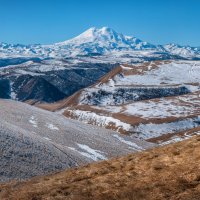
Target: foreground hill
<point>36,142</point>
<point>168,173</point>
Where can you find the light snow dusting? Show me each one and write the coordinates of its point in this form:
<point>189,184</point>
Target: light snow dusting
<point>161,109</point>
<point>131,144</point>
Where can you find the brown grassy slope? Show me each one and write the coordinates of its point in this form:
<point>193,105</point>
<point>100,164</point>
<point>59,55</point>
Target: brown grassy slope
<point>170,172</point>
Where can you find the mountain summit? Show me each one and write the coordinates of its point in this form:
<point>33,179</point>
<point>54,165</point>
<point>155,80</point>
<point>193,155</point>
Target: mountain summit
<point>105,39</point>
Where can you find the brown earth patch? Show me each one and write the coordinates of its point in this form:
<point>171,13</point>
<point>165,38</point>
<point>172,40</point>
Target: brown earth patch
<point>109,75</point>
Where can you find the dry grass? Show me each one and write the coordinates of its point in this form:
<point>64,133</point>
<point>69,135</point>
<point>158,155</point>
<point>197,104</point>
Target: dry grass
<point>170,172</point>
<point>109,75</point>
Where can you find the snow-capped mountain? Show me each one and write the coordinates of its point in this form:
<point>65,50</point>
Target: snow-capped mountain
<point>94,41</point>
<point>104,40</point>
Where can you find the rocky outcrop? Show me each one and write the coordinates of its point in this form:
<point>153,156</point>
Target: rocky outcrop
<point>4,89</point>
<point>126,95</point>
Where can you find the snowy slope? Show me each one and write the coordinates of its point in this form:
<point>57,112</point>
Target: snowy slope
<point>35,142</point>
<point>102,41</point>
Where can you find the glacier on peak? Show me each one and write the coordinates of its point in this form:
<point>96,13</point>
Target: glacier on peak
<point>106,38</point>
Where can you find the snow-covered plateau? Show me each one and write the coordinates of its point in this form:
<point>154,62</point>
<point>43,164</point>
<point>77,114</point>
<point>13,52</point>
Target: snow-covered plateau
<point>155,101</point>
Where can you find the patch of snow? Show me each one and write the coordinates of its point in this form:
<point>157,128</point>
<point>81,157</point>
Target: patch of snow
<point>112,109</point>
<point>126,68</point>
<point>179,139</point>
<point>52,127</point>
<point>46,138</point>
<point>93,118</point>
<point>172,140</point>
<point>89,152</point>
<point>47,68</point>
<point>33,121</point>
<point>133,145</point>
<point>13,95</point>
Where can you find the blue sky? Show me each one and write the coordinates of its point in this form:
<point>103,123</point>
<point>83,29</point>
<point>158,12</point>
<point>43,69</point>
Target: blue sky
<point>49,21</point>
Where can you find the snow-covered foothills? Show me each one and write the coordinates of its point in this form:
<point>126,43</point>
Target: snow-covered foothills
<point>145,82</point>
<point>151,101</point>
<point>179,72</point>
<point>39,142</point>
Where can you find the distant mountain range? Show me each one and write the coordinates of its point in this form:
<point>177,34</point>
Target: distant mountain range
<point>97,42</point>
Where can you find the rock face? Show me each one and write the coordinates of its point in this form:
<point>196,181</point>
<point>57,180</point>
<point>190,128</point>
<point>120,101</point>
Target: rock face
<point>36,88</point>
<point>125,95</point>
<point>36,142</point>
<point>4,89</point>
